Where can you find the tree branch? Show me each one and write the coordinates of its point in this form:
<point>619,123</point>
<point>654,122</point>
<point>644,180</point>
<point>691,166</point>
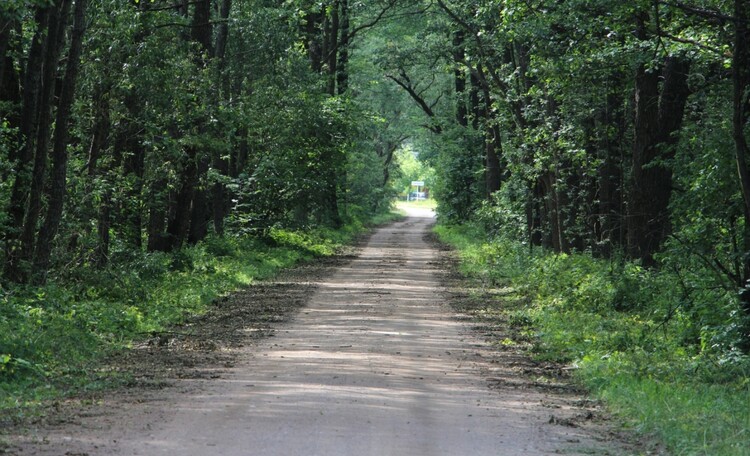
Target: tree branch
<point>148,9</point>
<point>480,45</point>
<point>706,47</point>
<point>701,12</point>
<point>406,85</point>
<point>191,25</point>
<point>381,16</point>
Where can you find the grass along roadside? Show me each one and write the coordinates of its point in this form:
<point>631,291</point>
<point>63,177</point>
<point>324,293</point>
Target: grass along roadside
<point>625,334</point>
<point>52,338</point>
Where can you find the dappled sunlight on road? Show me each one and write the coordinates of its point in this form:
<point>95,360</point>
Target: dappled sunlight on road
<point>374,365</point>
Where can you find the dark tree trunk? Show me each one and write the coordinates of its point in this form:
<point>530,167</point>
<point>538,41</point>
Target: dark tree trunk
<point>313,40</point>
<point>740,121</point>
<point>342,77</point>
<point>134,165</point>
<point>56,194</point>
<point>55,41</point>
<point>191,217</point>
<point>179,225</point>
<point>459,76</point>
<point>10,85</point>
<point>222,32</point>
<point>158,241</point>
<point>333,47</point>
<point>657,122</point>
<point>493,141</point>
<point>609,229</point>
<point>10,88</point>
<point>100,129</point>
<point>99,141</point>
<point>130,154</point>
<point>6,28</point>
<point>201,26</point>
<point>493,152</point>
<point>535,219</point>
<point>28,125</point>
<point>238,159</point>
<point>219,203</point>
<point>330,189</point>
<point>646,124</point>
<point>104,222</point>
<point>474,103</point>
<point>388,151</point>
<point>199,210</point>
<point>552,205</point>
<point>219,197</point>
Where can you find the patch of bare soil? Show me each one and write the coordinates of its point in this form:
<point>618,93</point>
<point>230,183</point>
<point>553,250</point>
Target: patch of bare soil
<point>203,347</point>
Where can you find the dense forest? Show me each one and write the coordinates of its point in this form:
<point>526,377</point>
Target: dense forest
<point>602,142</point>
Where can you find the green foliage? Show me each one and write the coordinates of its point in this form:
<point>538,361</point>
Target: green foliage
<point>652,343</point>
<point>457,159</point>
<point>412,169</point>
<point>691,418</point>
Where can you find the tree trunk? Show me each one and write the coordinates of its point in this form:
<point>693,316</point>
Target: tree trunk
<point>28,126</point>
<point>9,78</point>
<point>342,77</point>
<point>222,32</point>
<point>6,27</point>
<point>740,120</point>
<point>104,222</point>
<point>199,210</point>
<point>474,103</point>
<point>493,167</point>
<point>130,209</point>
<point>179,225</point>
<point>459,76</point>
<point>56,194</point>
<point>55,41</point>
<point>658,120</point>
<point>157,220</point>
<point>493,141</point>
<point>201,26</point>
<point>609,228</point>
<point>10,86</point>
<point>99,140</point>
<point>313,40</point>
<point>221,164</point>
<point>333,47</point>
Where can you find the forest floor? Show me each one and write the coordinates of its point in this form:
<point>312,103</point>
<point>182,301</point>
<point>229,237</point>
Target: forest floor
<point>368,353</point>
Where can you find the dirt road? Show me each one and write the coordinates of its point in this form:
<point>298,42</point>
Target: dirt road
<point>375,364</point>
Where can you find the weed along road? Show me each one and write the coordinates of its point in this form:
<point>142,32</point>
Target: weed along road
<point>375,363</point>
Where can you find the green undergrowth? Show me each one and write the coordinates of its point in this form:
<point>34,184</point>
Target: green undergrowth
<point>655,345</point>
<point>51,337</point>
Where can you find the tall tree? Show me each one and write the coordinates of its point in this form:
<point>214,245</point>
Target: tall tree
<point>59,156</point>
<point>740,134</point>
<point>660,97</point>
